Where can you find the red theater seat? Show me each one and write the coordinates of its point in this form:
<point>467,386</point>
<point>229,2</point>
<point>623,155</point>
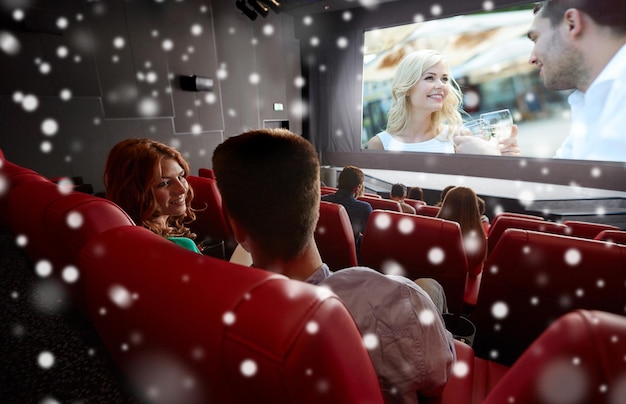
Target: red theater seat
<point>520,215</point>
<point>587,229</point>
<point>578,359</point>
<point>334,237</point>
<point>532,278</point>
<point>499,226</point>
<point>205,330</point>
<point>210,219</point>
<point>206,173</point>
<point>615,236</point>
<point>327,190</point>
<point>415,203</point>
<point>427,210</point>
<point>472,377</point>
<point>70,222</point>
<point>380,203</point>
<point>420,247</point>
<point>26,208</point>
<point>12,175</point>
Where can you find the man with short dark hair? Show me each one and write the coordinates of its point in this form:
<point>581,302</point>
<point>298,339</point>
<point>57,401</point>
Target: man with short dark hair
<point>580,45</point>
<point>398,193</point>
<point>350,187</point>
<point>405,335</point>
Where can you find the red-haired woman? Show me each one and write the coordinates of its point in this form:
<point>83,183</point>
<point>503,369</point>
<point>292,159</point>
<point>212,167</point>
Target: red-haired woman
<point>147,179</point>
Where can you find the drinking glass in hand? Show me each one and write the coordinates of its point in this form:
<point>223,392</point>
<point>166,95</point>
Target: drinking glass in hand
<point>476,129</point>
<point>497,124</point>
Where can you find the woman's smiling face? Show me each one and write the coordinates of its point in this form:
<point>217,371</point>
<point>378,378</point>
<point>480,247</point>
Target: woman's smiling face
<point>431,89</point>
<point>171,191</point>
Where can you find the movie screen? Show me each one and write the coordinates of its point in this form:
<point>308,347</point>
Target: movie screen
<point>488,55</point>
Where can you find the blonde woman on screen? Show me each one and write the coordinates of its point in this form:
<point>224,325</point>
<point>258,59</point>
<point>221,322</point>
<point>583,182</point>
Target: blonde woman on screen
<point>425,111</point>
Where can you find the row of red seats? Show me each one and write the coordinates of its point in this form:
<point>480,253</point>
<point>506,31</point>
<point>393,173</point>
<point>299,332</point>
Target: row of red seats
<point>199,318</point>
<point>418,246</point>
<point>503,336</point>
<point>397,247</point>
<point>571,227</point>
<point>533,276</point>
<point>379,202</point>
<point>574,228</point>
<point>211,327</point>
<point>531,279</point>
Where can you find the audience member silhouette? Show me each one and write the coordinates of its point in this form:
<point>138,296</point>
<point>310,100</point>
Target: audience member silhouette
<point>415,193</point>
<point>350,187</point>
<point>460,204</point>
<point>443,193</point>
<point>398,194</point>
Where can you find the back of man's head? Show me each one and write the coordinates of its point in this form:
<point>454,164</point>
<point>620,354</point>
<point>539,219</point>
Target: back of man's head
<point>398,191</point>
<point>269,181</point>
<point>610,13</point>
<point>349,178</point>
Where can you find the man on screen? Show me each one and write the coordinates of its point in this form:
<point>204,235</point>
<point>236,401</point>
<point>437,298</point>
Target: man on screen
<point>580,45</point>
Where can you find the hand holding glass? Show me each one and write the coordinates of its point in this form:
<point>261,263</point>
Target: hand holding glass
<point>475,128</point>
<point>497,124</point>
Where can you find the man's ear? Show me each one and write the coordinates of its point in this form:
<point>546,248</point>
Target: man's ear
<point>241,235</point>
<point>573,20</point>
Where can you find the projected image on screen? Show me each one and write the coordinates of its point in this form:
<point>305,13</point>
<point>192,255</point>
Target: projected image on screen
<point>487,54</point>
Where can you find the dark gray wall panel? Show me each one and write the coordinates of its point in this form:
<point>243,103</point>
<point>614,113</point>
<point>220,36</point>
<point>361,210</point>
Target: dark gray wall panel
<point>76,146</point>
<point>107,83</point>
<point>145,36</point>
<point>294,107</point>
<point>194,53</point>
<point>20,72</point>
<point>116,69</point>
<point>236,56</point>
<point>272,74</point>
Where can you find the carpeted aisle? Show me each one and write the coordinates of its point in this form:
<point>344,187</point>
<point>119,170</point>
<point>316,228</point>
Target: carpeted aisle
<point>48,352</point>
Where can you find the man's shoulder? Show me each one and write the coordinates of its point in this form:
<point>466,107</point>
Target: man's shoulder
<point>406,208</point>
<point>365,206</point>
<point>364,279</point>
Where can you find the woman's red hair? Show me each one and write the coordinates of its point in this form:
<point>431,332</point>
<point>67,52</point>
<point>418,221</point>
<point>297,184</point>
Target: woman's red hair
<point>132,170</point>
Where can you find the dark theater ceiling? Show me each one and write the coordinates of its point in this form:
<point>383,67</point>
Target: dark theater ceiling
<point>308,7</point>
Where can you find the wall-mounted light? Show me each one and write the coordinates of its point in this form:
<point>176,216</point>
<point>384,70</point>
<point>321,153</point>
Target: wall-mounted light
<point>274,5</point>
<point>241,5</point>
<point>262,7</point>
<point>195,83</point>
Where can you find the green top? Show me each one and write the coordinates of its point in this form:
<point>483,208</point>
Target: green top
<point>186,243</point>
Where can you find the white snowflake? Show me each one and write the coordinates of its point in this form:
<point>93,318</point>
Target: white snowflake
<point>460,369</point>
<point>436,255</point>
<point>248,368</point>
<point>370,341</point>
<point>70,274</point>
<point>46,360</point>
<point>500,310</point>
<point>120,296</point>
<point>43,268</point>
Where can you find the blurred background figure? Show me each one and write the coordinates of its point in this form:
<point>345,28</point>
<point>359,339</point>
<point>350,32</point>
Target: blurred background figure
<point>398,194</point>
<point>460,205</point>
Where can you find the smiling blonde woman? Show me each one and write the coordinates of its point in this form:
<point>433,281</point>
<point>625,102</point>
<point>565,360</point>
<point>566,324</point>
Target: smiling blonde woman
<point>425,109</point>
